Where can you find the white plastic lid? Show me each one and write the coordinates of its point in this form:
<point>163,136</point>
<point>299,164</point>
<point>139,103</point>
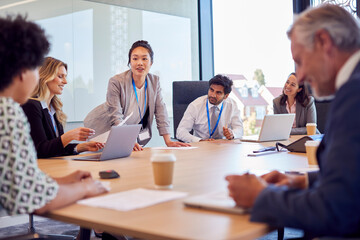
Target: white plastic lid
<point>311,124</point>
<point>312,143</point>
<point>163,157</point>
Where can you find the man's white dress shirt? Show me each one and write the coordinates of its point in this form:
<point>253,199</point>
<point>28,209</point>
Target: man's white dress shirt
<point>195,118</point>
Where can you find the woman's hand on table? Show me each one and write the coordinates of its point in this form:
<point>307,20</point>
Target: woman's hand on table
<point>177,144</point>
<point>170,143</point>
<point>137,147</point>
<point>89,146</point>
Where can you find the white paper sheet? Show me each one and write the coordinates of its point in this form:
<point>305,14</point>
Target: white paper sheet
<point>238,141</point>
<point>132,199</point>
<point>172,148</point>
<point>104,136</point>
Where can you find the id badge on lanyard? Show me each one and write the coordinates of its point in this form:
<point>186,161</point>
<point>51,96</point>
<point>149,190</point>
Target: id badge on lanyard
<point>144,134</point>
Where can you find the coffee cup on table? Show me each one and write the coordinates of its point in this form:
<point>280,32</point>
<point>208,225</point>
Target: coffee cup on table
<point>163,170</point>
<point>311,128</point>
<point>311,148</point>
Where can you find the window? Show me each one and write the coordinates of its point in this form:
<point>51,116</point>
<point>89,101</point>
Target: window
<point>260,112</point>
<point>254,92</point>
<point>244,92</point>
<point>250,39</point>
<point>350,5</point>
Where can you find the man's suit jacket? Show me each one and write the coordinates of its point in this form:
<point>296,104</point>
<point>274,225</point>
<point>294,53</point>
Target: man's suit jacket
<point>118,95</point>
<point>43,133</point>
<point>331,204</point>
<point>303,115</point>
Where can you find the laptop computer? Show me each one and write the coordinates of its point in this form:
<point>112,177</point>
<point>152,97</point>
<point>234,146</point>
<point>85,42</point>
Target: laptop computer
<point>274,127</point>
<point>119,144</point>
<point>216,201</point>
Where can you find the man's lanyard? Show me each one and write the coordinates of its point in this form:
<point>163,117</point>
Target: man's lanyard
<point>208,116</point>
<point>137,99</point>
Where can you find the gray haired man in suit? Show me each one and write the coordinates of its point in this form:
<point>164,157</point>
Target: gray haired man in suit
<point>325,44</point>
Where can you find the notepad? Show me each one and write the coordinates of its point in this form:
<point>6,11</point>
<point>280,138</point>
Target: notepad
<point>172,148</point>
<point>216,201</point>
<point>132,199</point>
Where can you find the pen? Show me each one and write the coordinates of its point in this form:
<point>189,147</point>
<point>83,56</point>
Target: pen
<point>294,173</point>
<point>265,149</point>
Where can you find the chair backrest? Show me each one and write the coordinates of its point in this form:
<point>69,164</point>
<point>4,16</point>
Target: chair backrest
<point>322,108</point>
<point>184,92</point>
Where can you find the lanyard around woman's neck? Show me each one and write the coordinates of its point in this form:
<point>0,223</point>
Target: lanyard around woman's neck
<point>137,99</point>
<point>52,117</point>
<point>208,116</point>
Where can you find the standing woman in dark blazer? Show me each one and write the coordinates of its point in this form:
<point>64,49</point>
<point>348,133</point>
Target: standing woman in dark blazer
<point>44,112</point>
<point>295,99</point>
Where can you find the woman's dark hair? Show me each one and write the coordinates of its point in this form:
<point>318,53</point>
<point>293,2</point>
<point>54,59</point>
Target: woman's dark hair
<point>222,81</point>
<point>23,45</point>
<point>302,97</point>
<point>144,44</point>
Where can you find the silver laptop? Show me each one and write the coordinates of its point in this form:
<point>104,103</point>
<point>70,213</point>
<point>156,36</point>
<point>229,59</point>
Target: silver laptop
<point>217,201</point>
<point>119,144</point>
<point>274,128</point>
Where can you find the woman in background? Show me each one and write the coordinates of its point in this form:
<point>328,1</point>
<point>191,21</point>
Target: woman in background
<point>295,99</point>
<point>135,93</point>
<point>47,120</point>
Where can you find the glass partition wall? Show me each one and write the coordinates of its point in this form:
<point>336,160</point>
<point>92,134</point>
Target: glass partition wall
<point>94,37</point>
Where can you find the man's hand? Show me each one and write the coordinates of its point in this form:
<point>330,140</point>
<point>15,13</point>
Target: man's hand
<point>244,189</point>
<point>280,179</point>
<point>228,133</point>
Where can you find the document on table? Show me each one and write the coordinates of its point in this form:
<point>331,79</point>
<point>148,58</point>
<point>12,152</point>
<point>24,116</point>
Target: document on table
<point>104,136</point>
<point>132,199</point>
<point>173,148</point>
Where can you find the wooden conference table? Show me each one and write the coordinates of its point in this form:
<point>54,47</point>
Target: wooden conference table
<point>197,171</point>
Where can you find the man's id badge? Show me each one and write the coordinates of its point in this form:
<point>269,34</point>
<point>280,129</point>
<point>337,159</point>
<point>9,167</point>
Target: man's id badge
<point>144,134</point>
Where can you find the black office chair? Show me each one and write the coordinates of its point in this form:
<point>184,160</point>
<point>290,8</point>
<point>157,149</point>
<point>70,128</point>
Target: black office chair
<point>322,108</point>
<point>184,92</point>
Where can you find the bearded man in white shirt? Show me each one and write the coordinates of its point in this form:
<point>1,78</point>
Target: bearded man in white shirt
<point>212,116</point>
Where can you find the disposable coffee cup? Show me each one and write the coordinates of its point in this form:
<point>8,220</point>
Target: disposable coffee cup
<point>311,148</point>
<point>311,128</point>
<point>163,170</point>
